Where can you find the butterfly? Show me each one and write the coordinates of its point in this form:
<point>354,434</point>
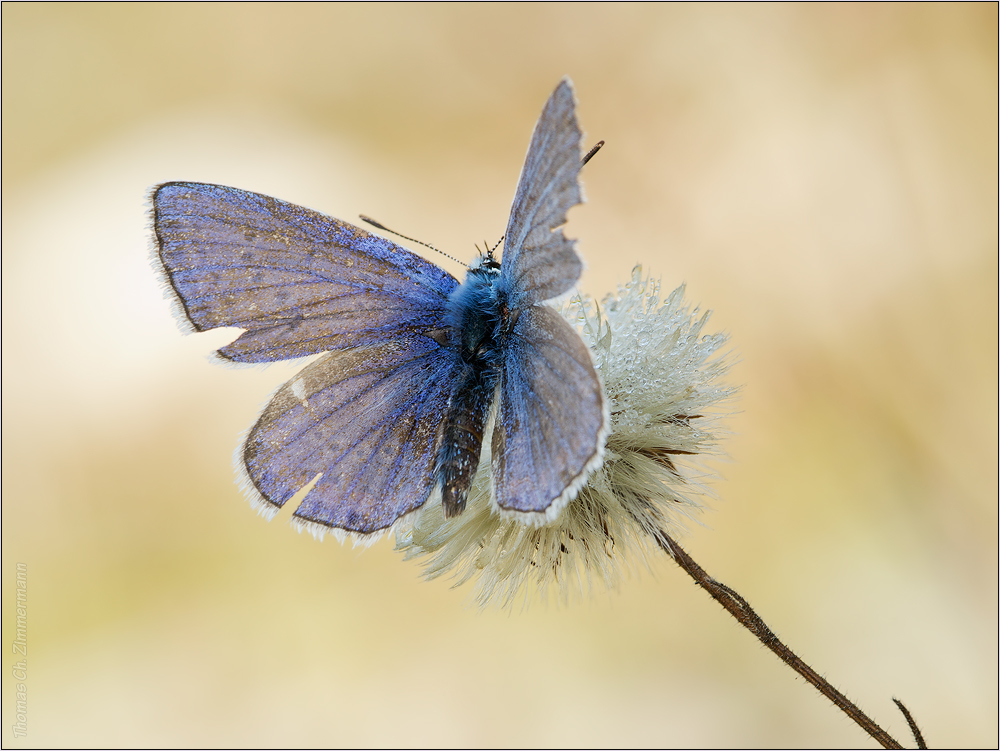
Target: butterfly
<point>417,363</point>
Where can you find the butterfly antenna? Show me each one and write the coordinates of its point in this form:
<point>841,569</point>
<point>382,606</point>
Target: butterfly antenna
<point>377,225</point>
<point>590,154</point>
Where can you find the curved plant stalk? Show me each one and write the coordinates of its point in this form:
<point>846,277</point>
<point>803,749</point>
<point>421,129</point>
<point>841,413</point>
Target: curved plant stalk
<point>740,609</point>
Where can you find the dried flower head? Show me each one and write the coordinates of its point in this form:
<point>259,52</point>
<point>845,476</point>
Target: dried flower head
<point>663,383</point>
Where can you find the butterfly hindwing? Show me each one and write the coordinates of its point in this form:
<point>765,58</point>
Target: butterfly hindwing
<point>551,422</point>
<point>297,281</point>
<point>539,262</point>
<point>368,420</point>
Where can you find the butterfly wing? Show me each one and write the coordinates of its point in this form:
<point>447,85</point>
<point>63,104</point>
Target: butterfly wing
<point>552,422</point>
<point>297,281</point>
<point>539,262</point>
<point>367,420</point>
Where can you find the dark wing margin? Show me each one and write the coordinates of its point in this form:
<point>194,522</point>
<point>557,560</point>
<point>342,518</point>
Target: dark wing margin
<point>552,421</point>
<point>368,421</point>
<point>297,281</point>
<point>539,262</point>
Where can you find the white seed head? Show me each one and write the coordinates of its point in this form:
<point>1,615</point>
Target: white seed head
<point>662,379</point>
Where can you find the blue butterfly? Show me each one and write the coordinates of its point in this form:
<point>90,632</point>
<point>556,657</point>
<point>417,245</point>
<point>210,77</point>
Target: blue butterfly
<point>417,363</point>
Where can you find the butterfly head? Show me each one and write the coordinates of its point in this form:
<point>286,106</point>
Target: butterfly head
<point>486,261</point>
<point>488,257</point>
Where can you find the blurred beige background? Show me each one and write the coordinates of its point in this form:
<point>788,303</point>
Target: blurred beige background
<point>823,177</point>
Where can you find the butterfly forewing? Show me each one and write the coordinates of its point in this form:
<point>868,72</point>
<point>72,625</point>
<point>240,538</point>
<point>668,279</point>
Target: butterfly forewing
<point>298,281</point>
<point>367,420</point>
<point>551,423</point>
<point>539,262</point>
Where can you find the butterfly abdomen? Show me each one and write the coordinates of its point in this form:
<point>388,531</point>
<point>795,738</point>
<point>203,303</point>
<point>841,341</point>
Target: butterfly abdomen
<point>462,437</point>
